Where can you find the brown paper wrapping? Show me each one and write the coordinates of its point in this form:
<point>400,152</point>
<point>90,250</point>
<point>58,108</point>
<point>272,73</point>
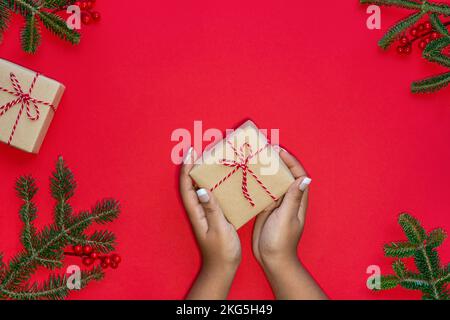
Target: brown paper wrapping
<point>267,165</point>
<point>29,134</point>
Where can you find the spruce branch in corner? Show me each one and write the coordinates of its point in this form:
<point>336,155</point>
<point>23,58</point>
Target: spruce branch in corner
<point>34,11</point>
<point>45,248</point>
<point>432,278</point>
<point>433,50</point>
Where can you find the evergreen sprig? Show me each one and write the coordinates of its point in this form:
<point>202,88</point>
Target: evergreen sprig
<point>45,248</point>
<point>432,278</point>
<point>433,52</point>
<point>33,11</point>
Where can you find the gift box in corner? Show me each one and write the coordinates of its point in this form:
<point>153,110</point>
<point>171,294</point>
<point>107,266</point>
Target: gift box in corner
<point>28,102</point>
<point>244,173</point>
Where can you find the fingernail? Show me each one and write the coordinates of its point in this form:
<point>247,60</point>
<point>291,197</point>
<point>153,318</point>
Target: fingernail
<point>277,148</point>
<point>202,195</point>
<point>304,184</point>
<point>187,157</point>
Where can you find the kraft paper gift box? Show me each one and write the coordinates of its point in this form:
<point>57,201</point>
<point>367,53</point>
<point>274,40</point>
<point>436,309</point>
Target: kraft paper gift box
<point>244,173</point>
<point>28,102</point>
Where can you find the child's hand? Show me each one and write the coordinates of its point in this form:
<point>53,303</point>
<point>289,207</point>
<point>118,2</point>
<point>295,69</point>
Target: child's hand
<point>276,234</point>
<point>217,238</point>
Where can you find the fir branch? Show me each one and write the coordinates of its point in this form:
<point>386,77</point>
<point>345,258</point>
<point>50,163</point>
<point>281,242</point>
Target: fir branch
<point>397,29</point>
<point>55,4</point>
<point>415,281</point>
<point>26,189</point>
<point>399,268</point>
<point>101,241</point>
<point>438,25</point>
<point>62,186</point>
<point>58,27</point>
<point>30,35</point>
<point>431,84</point>
<point>388,282</point>
<point>105,211</point>
<point>397,3</point>
<point>2,267</point>
<point>46,248</point>
<point>55,287</point>
<point>436,237</point>
<point>32,11</point>
<point>62,182</point>
<point>439,8</point>
<point>23,7</point>
<point>4,18</point>
<point>432,279</point>
<point>433,51</point>
<point>400,249</point>
<point>52,239</point>
<point>412,228</point>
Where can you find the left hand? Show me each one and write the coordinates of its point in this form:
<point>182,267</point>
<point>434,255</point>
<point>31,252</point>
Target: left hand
<point>217,238</point>
<point>279,227</point>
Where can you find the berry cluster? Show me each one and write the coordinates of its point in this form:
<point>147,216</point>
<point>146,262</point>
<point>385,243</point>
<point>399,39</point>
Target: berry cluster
<point>87,14</point>
<point>423,33</point>
<point>89,256</point>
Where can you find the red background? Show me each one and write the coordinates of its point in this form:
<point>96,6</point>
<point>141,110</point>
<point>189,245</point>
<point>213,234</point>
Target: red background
<point>311,69</point>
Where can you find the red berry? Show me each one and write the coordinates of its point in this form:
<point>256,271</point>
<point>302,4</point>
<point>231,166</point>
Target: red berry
<point>421,27</point>
<point>78,250</point>
<point>400,50</point>
<point>427,40</point>
<point>116,258</point>
<point>427,25</point>
<point>104,265</point>
<point>77,3</point>
<point>89,5</point>
<point>86,18</point>
<point>407,49</point>
<point>404,40</point>
<point>434,35</point>
<point>94,255</point>
<point>413,32</point>
<point>83,5</point>
<point>87,250</point>
<point>114,265</point>
<point>422,44</point>
<point>95,16</point>
<point>87,261</point>
<point>107,260</point>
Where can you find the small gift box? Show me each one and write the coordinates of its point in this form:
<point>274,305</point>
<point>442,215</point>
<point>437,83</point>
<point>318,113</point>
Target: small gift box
<point>244,173</point>
<point>28,102</point>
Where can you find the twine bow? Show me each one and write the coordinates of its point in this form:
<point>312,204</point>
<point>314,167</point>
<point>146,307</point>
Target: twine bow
<point>27,102</point>
<point>243,164</point>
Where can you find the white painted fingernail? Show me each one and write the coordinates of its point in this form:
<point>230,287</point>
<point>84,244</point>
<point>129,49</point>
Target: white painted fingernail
<point>203,195</point>
<point>304,184</point>
<point>187,157</point>
<point>277,148</point>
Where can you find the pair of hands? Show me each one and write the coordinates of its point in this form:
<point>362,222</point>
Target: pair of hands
<point>276,234</point>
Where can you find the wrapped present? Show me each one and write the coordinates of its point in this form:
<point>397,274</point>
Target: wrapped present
<point>244,173</point>
<point>28,102</point>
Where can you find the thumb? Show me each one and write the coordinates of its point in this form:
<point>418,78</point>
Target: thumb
<point>213,212</point>
<point>293,198</point>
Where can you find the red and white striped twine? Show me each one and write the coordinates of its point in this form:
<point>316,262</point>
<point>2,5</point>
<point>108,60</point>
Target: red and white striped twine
<point>27,102</point>
<point>242,164</point>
